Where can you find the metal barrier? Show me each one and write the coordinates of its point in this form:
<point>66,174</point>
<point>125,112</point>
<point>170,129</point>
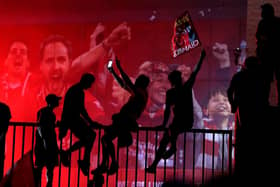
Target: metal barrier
<point>196,160</point>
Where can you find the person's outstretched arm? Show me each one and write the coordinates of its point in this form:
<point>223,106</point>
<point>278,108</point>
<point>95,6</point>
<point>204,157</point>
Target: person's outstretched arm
<point>88,59</point>
<point>129,86</point>
<point>196,68</point>
<point>116,77</point>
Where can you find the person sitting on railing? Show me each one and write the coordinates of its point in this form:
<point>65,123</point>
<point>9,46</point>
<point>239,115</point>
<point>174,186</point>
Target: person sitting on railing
<point>75,117</point>
<point>46,149</point>
<point>125,121</point>
<point>180,98</point>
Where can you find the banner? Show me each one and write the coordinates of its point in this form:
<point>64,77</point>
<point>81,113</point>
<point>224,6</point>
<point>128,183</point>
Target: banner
<point>184,37</point>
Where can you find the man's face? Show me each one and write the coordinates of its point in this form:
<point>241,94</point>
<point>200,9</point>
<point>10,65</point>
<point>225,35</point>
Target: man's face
<point>218,106</point>
<point>55,62</point>
<point>158,87</point>
<point>17,61</point>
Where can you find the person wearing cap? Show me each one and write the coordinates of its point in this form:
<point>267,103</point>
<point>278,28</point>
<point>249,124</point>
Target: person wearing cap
<point>46,149</point>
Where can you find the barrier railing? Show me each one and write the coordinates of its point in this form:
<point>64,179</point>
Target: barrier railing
<point>201,155</point>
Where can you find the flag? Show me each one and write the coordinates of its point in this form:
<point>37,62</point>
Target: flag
<point>184,37</point>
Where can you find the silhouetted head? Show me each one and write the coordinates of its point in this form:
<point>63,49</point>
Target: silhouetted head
<point>142,81</point>
<point>52,100</point>
<point>251,62</point>
<point>87,80</point>
<point>267,11</point>
<point>175,78</point>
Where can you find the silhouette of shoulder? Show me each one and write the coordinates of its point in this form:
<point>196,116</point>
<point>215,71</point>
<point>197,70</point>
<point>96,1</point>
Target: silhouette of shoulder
<point>5,113</point>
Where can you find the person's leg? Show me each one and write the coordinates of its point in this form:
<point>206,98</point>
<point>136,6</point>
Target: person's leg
<point>88,145</point>
<point>105,141</point>
<point>38,175</point>
<point>50,175</point>
<point>161,150</point>
<point>173,140</point>
<point>86,136</point>
<point>111,152</point>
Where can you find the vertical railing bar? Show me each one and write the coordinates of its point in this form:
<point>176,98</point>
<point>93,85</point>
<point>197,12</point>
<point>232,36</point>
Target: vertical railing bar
<point>213,154</point>
<point>223,149</point>
<point>136,162</point>
<point>184,157</point>
<point>78,182</point>
<point>194,143</point>
<point>146,156</point>
<point>14,142</point>
<point>69,169</point>
<point>59,169</point>
<point>117,174</point>
<point>23,138</point>
<point>203,157</point>
<point>126,166</point>
<point>230,152</point>
<point>155,176</point>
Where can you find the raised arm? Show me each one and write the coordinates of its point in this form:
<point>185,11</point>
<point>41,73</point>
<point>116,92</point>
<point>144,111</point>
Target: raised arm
<point>88,59</point>
<point>128,83</point>
<point>196,68</point>
<point>116,77</point>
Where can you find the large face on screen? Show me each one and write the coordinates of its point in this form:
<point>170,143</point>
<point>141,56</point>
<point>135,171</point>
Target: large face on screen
<point>55,62</point>
<point>17,61</point>
<point>158,87</point>
<point>218,106</point>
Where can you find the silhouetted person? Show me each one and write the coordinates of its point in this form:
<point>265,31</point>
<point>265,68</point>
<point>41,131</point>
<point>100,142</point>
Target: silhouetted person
<point>5,116</point>
<point>46,149</point>
<point>268,39</point>
<point>179,97</point>
<point>125,121</point>
<point>75,117</point>
<point>247,97</point>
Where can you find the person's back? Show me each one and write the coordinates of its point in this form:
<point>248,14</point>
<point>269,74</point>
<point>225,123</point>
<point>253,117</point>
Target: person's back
<point>136,104</point>
<point>249,87</point>
<point>46,120</point>
<point>73,103</point>
<point>183,104</point>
